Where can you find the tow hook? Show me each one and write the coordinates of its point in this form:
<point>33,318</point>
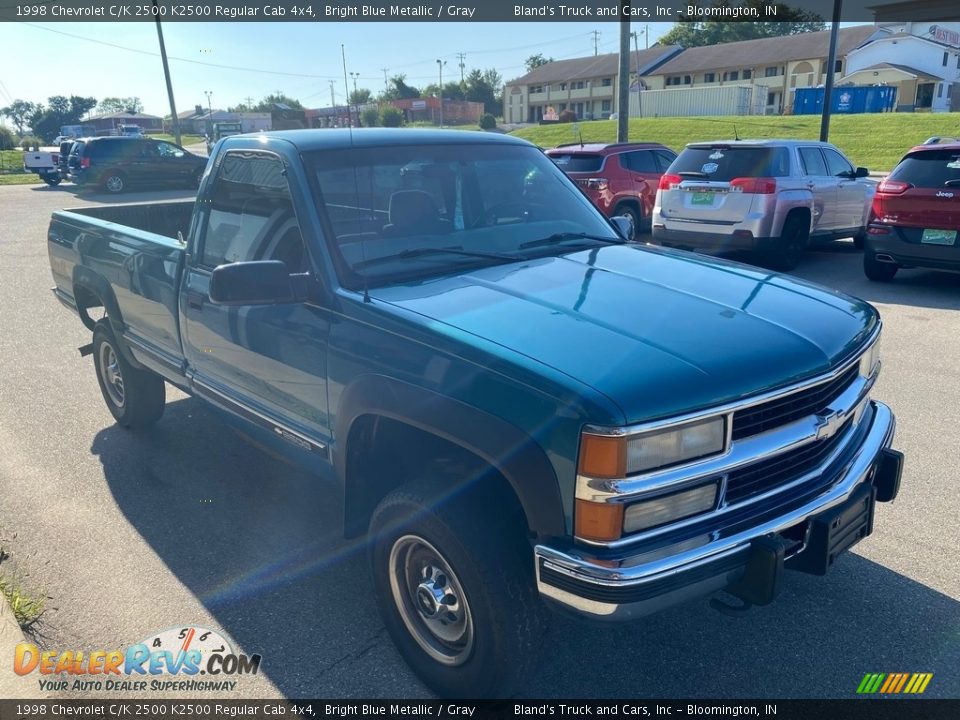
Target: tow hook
<point>760,582</point>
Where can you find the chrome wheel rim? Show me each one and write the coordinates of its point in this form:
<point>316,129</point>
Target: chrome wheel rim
<point>431,600</point>
<point>114,183</point>
<point>110,372</point>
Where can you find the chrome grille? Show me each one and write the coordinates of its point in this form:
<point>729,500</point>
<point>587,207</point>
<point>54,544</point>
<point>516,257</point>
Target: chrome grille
<point>781,411</point>
<point>752,480</point>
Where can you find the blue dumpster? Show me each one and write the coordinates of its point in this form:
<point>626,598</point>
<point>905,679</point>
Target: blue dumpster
<point>862,99</point>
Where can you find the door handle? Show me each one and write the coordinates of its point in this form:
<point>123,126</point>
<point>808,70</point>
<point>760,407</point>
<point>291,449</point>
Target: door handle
<point>194,299</point>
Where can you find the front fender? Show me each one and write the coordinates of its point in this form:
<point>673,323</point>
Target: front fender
<point>505,447</point>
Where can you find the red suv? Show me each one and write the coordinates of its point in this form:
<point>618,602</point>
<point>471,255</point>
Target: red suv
<point>620,178</point>
<point>915,219</point>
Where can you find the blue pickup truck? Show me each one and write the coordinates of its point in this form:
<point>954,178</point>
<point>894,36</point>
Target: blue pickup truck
<point>525,407</point>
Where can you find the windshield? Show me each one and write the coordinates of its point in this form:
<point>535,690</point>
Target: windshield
<point>399,213</point>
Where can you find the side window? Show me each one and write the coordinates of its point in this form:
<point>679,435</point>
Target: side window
<point>836,163</point>
<point>640,161</point>
<point>812,161</point>
<point>168,150</point>
<point>664,160</point>
<point>251,214</point>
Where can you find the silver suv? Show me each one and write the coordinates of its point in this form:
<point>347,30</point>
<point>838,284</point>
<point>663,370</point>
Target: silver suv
<point>767,196</point>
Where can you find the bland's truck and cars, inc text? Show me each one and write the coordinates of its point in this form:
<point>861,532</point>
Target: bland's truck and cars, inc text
<point>524,407</point>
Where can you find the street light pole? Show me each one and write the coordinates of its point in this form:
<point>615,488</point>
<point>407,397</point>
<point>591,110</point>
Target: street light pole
<point>831,63</point>
<point>440,64</point>
<point>356,101</point>
<point>209,94</point>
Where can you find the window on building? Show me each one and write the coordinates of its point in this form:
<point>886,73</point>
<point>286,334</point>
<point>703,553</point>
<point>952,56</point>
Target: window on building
<point>607,82</point>
<point>672,80</point>
<point>838,66</point>
<point>958,62</point>
<point>605,106</point>
<point>709,77</point>
<point>939,90</point>
<point>578,85</point>
<point>946,56</point>
<point>747,74</point>
<point>563,86</point>
<point>771,72</point>
<point>687,80</point>
<point>771,98</point>
<point>732,75</point>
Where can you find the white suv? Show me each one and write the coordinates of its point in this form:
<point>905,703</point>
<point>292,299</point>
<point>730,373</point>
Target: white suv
<point>767,196</point>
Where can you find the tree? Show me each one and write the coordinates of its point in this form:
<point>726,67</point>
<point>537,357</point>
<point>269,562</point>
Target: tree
<point>120,104</point>
<point>487,122</point>
<point>451,91</point>
<point>535,61</point>
<point>60,110</point>
<point>486,87</point>
<point>19,112</point>
<point>7,140</point>
<point>400,89</point>
<point>266,105</point>
<point>789,21</point>
<point>360,96</point>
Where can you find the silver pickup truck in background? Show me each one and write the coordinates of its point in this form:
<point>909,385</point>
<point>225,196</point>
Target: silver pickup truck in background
<point>771,197</point>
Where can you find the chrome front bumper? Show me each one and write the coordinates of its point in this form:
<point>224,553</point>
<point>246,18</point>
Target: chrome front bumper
<point>625,587</point>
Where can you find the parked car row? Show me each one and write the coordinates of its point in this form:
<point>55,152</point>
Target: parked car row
<point>116,163</point>
<point>775,197</point>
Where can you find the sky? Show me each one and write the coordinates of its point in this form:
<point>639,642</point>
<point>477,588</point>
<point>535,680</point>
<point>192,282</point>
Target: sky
<point>38,60</point>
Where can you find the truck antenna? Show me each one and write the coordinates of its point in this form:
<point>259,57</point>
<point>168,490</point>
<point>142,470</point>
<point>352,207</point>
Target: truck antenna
<point>736,135</point>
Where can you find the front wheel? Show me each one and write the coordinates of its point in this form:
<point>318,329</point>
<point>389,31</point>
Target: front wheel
<point>455,586</point>
<point>52,180</point>
<point>135,397</point>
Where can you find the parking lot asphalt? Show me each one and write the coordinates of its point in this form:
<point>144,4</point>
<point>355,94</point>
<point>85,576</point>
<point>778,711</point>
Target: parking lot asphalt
<point>189,524</point>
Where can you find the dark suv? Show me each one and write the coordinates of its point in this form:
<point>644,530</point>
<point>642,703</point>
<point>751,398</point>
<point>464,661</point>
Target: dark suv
<point>116,163</point>
<point>620,178</point>
<point>915,220</point>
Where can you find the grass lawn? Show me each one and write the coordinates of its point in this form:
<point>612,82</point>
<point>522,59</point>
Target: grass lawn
<point>875,141</point>
<point>20,179</point>
<point>184,139</point>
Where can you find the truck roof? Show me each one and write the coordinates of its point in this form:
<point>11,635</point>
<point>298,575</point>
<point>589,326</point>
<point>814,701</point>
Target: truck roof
<point>338,138</point>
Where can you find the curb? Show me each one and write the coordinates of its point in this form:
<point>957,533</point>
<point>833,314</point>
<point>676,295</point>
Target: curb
<point>13,686</point>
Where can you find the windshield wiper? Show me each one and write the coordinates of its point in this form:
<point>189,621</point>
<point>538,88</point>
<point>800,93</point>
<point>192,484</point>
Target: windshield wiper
<point>952,183</point>
<point>563,236</point>
<point>693,173</point>
<point>426,252</point>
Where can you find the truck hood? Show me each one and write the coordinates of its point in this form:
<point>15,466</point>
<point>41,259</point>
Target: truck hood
<point>658,332</point>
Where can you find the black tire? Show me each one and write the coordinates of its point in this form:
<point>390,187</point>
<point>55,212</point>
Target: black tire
<point>52,180</point>
<point>878,271</point>
<point>135,397</point>
<point>114,182</point>
<point>632,213</point>
<point>485,564</point>
<point>786,252</point>
<point>860,239</point>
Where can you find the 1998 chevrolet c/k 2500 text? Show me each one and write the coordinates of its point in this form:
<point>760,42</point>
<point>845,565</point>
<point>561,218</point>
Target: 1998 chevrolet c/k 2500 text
<point>519,402</point>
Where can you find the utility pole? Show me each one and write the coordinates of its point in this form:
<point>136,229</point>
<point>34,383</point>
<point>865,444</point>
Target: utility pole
<point>386,87</point>
<point>831,64</point>
<point>461,57</point>
<point>623,74</point>
<point>249,102</point>
<point>174,120</point>
<point>209,94</point>
<point>440,64</point>
<point>596,41</point>
<point>356,101</point>
<point>333,99</point>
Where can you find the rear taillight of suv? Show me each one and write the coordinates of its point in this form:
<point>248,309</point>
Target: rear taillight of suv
<point>669,182</point>
<point>85,162</point>
<point>756,186</point>
<point>893,187</point>
<point>594,183</point>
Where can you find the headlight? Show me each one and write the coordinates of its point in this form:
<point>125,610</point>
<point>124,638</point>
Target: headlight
<point>605,456</point>
<point>870,360</point>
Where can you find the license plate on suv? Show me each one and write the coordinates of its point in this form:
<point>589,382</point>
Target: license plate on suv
<point>702,198</point>
<point>939,237</point>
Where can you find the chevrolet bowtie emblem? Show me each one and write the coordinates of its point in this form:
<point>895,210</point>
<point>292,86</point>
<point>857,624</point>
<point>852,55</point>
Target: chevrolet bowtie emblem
<point>828,423</point>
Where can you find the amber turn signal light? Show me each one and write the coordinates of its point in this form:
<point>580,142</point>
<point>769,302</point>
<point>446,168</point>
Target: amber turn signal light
<point>603,456</point>
<point>599,522</point>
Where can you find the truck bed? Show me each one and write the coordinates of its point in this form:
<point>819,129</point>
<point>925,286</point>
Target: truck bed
<point>127,256</point>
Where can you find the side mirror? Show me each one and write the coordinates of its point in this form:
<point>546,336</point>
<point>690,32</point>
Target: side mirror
<point>862,172</point>
<point>262,282</point>
<point>624,226</point>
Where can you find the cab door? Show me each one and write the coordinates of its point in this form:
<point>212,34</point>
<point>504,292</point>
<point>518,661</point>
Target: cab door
<point>265,362</point>
<point>851,192</point>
